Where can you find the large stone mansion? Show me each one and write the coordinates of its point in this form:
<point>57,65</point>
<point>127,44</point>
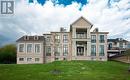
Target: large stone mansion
<point>77,44</point>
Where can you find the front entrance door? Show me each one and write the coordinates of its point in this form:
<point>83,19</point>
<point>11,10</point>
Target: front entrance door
<point>80,51</point>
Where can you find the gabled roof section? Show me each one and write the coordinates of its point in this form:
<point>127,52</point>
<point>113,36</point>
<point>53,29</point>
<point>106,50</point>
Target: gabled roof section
<point>31,38</point>
<point>82,18</point>
<point>78,20</point>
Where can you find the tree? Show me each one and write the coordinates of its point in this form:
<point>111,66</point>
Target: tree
<point>8,54</point>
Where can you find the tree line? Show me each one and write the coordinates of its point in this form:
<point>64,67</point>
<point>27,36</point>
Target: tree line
<point>8,54</point>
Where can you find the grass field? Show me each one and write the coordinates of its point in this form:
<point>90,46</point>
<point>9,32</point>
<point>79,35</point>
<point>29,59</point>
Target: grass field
<point>66,70</point>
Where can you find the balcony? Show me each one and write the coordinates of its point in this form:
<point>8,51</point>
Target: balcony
<point>81,36</point>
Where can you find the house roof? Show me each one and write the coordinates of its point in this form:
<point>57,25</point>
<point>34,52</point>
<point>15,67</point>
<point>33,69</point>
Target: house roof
<point>116,40</point>
<point>79,19</point>
<point>31,38</point>
<point>100,32</point>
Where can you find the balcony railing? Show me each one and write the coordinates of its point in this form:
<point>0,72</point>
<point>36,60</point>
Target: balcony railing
<point>81,36</point>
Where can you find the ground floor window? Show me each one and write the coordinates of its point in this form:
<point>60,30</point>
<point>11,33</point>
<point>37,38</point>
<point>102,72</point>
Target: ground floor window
<point>37,59</point>
<point>56,59</point>
<point>64,58</point>
<point>57,51</point>
<point>21,59</point>
<point>101,50</point>
<point>65,50</point>
<point>29,59</point>
<point>93,50</point>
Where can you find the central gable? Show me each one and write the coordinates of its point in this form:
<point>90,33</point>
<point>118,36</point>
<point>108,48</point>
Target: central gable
<point>81,22</point>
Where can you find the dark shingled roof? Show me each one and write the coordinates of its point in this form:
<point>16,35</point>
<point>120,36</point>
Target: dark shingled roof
<point>31,38</point>
<point>116,40</point>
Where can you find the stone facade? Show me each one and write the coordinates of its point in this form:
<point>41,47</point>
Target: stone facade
<point>78,44</point>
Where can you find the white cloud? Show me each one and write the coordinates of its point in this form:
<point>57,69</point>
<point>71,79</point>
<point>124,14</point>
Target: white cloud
<point>37,19</point>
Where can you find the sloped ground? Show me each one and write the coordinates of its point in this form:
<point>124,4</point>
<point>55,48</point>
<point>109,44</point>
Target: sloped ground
<point>66,70</point>
<point>122,59</point>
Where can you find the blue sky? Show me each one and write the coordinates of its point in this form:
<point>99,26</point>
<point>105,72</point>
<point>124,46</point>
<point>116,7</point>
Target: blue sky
<point>35,17</point>
<point>64,2</point>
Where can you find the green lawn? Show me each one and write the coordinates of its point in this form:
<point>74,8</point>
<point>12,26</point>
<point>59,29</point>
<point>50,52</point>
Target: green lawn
<point>67,70</point>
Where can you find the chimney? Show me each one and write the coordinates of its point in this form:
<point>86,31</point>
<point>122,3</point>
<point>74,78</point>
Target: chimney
<point>95,30</point>
<point>62,29</point>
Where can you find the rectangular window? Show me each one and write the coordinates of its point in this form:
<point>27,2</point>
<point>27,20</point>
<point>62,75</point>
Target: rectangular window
<point>102,39</point>
<point>57,38</point>
<point>21,59</point>
<point>48,50</point>
<point>29,59</point>
<point>37,59</point>
<point>101,50</point>
<point>64,58</point>
<point>29,48</point>
<point>57,51</point>
<point>93,38</point>
<point>65,38</point>
<point>93,50</point>
<point>81,35</point>
<point>56,59</point>
<point>48,38</point>
<point>37,48</point>
<point>21,48</point>
<point>121,45</point>
<point>65,50</point>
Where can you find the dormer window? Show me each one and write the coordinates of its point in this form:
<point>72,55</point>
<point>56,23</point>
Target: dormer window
<point>26,37</point>
<point>35,37</point>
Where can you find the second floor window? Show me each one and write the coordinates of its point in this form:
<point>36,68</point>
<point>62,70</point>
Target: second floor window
<point>37,48</point>
<point>21,48</point>
<point>29,48</point>
<point>81,35</point>
<point>65,38</point>
<point>48,38</point>
<point>121,45</point>
<point>57,38</point>
<point>93,38</point>
<point>102,40</point>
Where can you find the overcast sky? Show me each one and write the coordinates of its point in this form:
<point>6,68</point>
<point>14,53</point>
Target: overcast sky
<point>33,17</point>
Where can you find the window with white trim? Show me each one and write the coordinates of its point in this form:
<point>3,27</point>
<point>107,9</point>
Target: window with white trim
<point>57,38</point>
<point>21,47</point>
<point>93,50</point>
<point>29,48</point>
<point>101,50</point>
<point>65,50</point>
<point>21,59</point>
<point>29,59</point>
<point>37,48</point>
<point>93,38</point>
<point>65,38</point>
<point>37,59</point>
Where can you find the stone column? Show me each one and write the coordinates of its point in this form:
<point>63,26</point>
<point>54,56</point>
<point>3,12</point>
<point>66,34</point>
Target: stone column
<point>74,33</point>
<point>88,48</point>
